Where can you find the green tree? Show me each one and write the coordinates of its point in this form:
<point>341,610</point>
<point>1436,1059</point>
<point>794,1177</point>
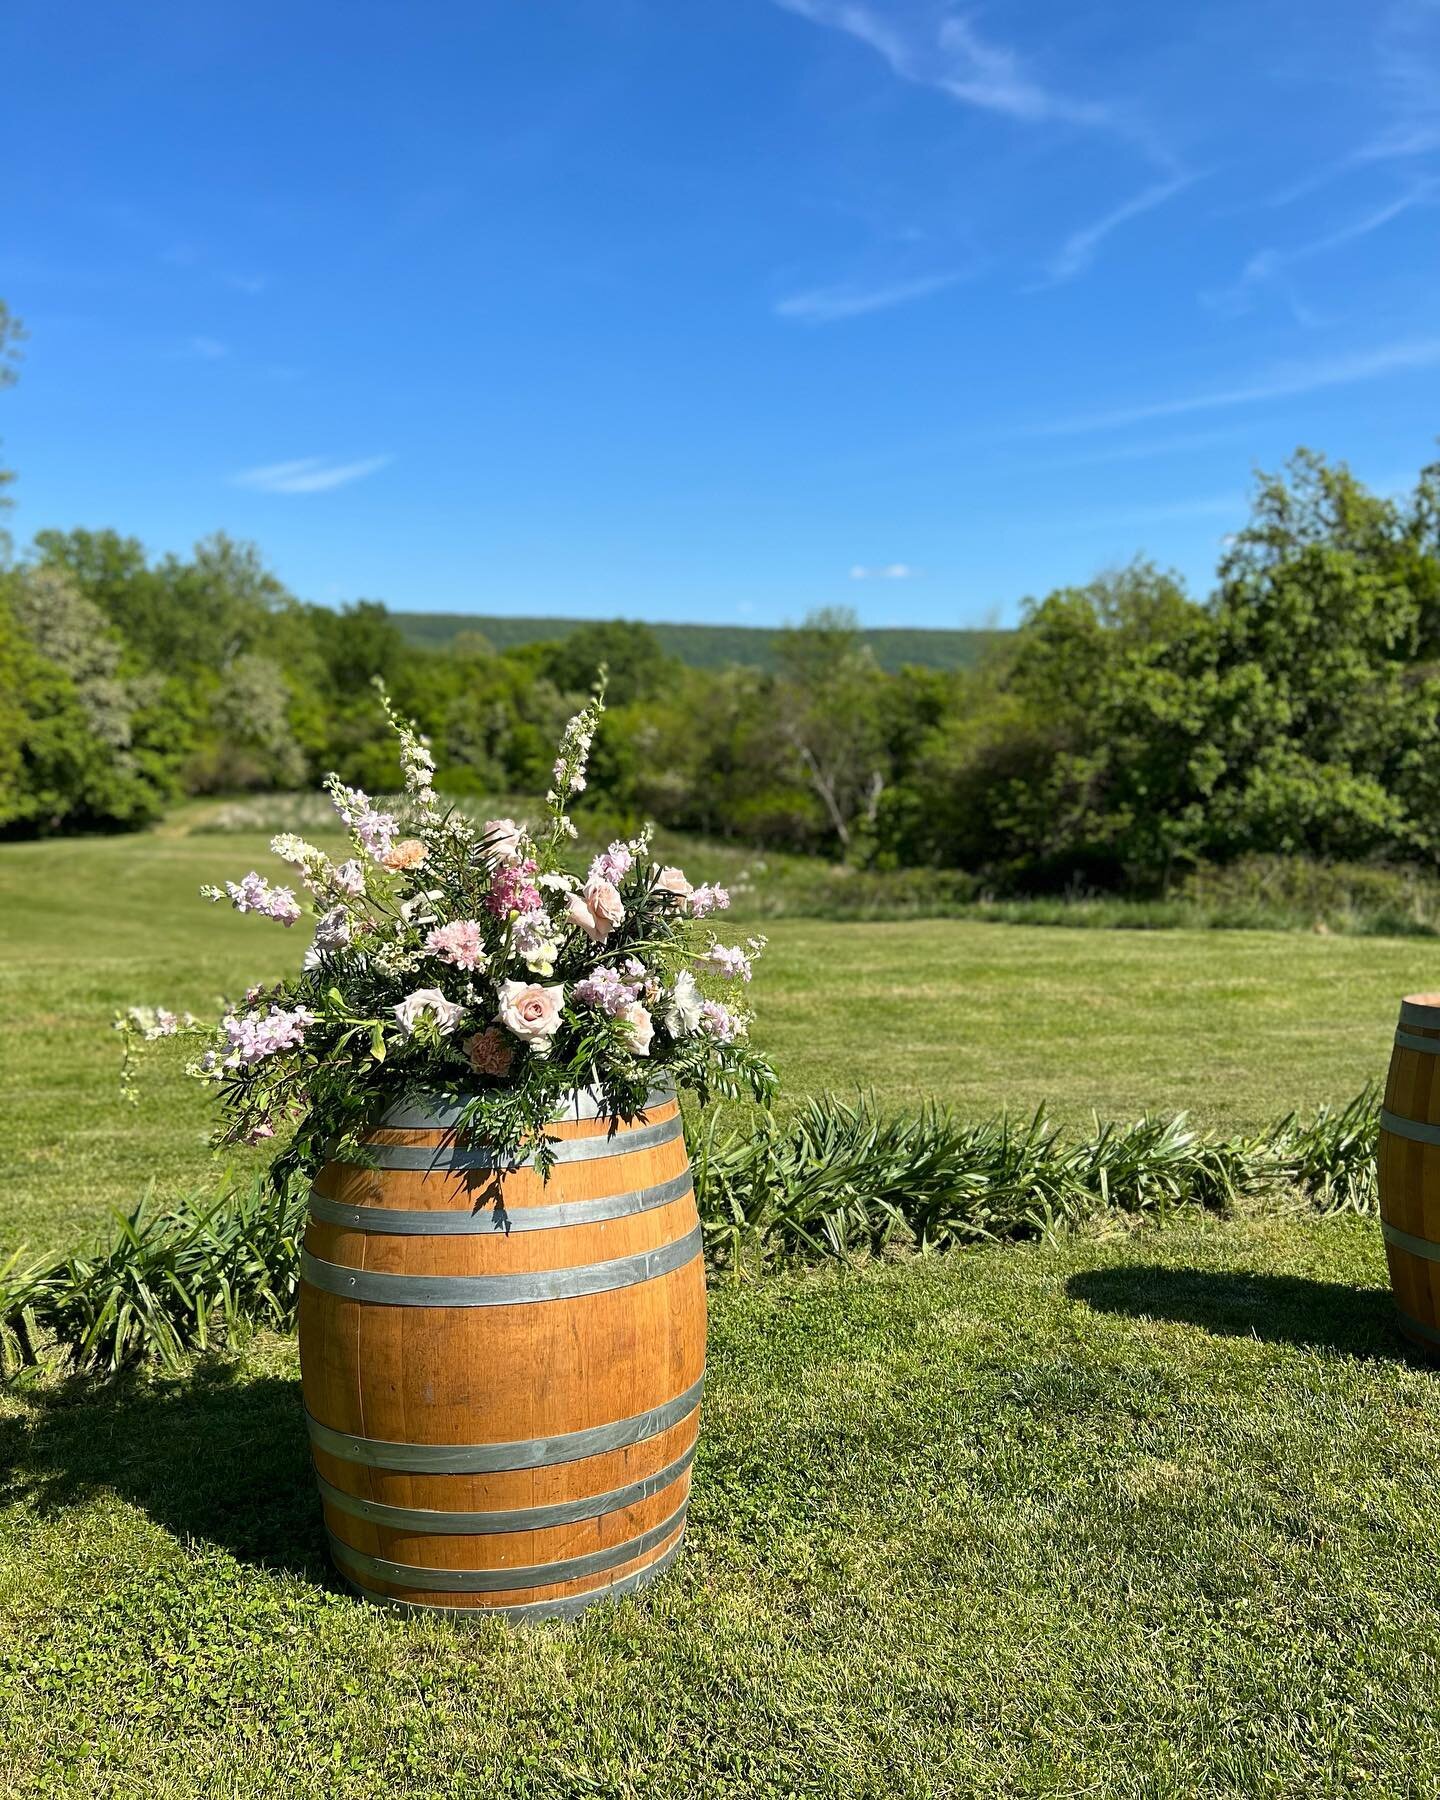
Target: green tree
<point>828,710</point>
<point>638,668</point>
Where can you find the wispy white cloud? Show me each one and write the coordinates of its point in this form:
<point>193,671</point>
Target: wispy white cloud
<point>849,299</point>
<point>897,571</point>
<point>248,284</point>
<point>1078,251</point>
<point>309,475</point>
<point>204,349</point>
<point>1268,265</point>
<point>1406,50</point>
<point>1284,382</point>
<point>951,56</point>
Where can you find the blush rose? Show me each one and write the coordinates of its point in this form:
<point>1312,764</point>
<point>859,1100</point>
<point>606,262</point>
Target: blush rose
<point>531,1013</point>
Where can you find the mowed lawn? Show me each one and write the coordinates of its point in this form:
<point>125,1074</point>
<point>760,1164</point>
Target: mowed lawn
<point>1145,1515</point>
<point>1146,1518</point>
<point>1235,1027</point>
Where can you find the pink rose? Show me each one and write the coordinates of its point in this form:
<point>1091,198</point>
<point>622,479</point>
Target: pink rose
<point>580,916</point>
<point>597,912</point>
<point>642,1028</point>
<point>531,1013</point>
<point>672,881</point>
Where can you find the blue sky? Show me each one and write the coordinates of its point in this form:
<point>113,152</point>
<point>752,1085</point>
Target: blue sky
<point>713,312</point>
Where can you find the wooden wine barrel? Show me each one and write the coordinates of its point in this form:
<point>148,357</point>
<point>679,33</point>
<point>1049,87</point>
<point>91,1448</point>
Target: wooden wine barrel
<point>502,1376</point>
<point>1409,1170</point>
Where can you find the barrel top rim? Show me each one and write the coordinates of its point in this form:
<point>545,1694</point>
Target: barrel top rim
<point>425,1108</point>
<point>1432,1000</point>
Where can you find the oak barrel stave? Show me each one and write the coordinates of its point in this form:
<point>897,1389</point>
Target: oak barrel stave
<point>545,1426</point>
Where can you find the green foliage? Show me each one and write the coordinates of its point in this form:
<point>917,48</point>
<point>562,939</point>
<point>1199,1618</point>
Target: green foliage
<point>709,648</point>
<point>1129,732</point>
<point>198,1273</point>
<point>836,1179</point>
<point>71,749</point>
<point>1125,736</point>
<point>832,1181</point>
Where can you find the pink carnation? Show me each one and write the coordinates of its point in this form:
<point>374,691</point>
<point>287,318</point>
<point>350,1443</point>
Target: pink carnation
<point>489,1052</point>
<point>458,943</point>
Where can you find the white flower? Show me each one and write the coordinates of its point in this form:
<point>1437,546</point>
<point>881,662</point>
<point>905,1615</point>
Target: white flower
<point>428,1002</point>
<point>411,910</point>
<point>295,851</point>
<point>332,932</point>
<point>683,1015</point>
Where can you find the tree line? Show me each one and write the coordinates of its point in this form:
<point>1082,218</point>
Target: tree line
<point>1126,732</point>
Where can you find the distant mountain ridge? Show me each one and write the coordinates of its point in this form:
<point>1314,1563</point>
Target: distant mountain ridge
<point>705,646</point>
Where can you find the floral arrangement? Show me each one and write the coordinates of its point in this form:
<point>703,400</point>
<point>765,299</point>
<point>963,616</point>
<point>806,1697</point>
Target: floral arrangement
<point>467,961</point>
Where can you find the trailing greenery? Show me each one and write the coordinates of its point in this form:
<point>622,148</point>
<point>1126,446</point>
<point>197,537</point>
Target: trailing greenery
<point>836,1180</point>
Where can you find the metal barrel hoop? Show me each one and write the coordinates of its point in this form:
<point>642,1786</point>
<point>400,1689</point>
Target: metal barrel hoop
<point>519,1453</point>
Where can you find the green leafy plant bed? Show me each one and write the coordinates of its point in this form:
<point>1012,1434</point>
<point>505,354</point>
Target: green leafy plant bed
<point>834,1180</point>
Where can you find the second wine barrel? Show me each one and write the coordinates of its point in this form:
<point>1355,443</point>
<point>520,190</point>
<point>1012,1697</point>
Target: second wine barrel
<point>502,1376</point>
<point>1409,1170</point>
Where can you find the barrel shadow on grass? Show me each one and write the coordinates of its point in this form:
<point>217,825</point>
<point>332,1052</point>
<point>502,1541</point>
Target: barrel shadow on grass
<point>1278,1309</point>
<point>212,1456</point>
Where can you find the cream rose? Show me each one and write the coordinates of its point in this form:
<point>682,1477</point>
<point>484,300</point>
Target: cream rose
<point>531,1013</point>
<point>428,1003</point>
<point>671,880</point>
<point>642,1028</point>
<point>603,899</point>
<point>580,916</point>
<point>503,839</point>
